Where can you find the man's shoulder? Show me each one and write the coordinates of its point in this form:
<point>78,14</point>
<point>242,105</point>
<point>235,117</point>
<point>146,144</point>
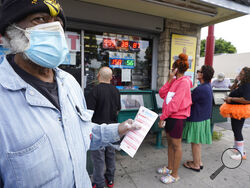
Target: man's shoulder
<point>107,86</point>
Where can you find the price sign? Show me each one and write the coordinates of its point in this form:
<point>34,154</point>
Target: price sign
<point>122,63</point>
<point>122,60</point>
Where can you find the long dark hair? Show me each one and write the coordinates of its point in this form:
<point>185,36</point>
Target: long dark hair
<point>246,77</point>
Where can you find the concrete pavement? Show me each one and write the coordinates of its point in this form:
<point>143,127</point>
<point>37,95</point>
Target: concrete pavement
<point>140,172</point>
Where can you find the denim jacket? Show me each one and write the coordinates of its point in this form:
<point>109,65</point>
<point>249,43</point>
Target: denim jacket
<point>41,146</point>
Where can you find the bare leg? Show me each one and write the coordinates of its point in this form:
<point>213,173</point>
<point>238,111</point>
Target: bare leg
<point>196,150</point>
<point>201,164</point>
<point>170,153</point>
<point>177,155</point>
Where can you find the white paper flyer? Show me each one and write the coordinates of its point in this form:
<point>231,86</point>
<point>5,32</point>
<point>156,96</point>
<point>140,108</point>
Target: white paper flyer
<point>133,139</point>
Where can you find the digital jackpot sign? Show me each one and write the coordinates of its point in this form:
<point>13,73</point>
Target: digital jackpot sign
<point>115,44</point>
<point>121,60</point>
<point>122,63</point>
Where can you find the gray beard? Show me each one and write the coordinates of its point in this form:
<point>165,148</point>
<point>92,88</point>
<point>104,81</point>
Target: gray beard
<point>16,41</point>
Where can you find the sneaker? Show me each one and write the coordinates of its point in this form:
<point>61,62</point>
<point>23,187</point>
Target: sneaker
<point>164,170</point>
<point>238,156</point>
<point>109,183</point>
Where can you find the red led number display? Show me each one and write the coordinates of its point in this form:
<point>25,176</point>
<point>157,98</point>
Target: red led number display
<point>136,45</point>
<point>116,62</point>
<point>109,44</point>
<point>122,62</point>
<point>124,44</point>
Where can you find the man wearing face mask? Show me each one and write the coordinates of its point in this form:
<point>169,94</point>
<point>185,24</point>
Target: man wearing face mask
<point>45,127</point>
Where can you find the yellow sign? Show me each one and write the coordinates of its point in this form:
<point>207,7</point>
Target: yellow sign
<point>187,45</point>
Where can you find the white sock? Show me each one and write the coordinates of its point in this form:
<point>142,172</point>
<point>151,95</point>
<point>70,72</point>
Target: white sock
<point>240,146</point>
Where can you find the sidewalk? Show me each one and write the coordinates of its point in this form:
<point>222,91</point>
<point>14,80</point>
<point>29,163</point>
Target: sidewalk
<point>140,172</point>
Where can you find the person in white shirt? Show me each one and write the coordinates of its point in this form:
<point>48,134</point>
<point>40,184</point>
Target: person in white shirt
<point>221,81</point>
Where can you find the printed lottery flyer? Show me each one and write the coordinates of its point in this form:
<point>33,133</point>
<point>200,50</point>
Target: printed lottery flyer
<point>133,139</point>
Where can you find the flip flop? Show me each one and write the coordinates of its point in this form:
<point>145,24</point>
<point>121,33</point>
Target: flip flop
<point>201,166</point>
<point>187,166</point>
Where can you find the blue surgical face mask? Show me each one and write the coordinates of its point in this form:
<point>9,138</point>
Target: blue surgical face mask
<point>47,45</point>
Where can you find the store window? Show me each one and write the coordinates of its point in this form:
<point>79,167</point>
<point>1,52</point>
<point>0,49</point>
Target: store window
<point>130,58</point>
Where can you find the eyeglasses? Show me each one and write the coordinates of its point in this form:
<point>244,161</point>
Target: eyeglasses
<point>198,71</point>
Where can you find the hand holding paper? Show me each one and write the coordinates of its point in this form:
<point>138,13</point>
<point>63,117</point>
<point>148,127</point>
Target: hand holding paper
<point>133,125</point>
<point>144,120</point>
<point>126,126</point>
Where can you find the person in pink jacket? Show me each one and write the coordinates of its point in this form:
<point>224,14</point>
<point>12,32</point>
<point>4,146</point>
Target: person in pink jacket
<point>176,108</point>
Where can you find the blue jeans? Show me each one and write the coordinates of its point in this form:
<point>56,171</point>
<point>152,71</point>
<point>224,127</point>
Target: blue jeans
<point>99,159</point>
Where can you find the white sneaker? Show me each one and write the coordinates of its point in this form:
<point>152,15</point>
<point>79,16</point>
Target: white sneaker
<point>238,156</point>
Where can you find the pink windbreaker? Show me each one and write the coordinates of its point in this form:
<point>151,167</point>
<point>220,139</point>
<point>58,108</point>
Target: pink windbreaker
<point>180,105</point>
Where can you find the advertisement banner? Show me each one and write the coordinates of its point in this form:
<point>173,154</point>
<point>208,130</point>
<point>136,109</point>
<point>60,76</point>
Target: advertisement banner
<point>187,45</point>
